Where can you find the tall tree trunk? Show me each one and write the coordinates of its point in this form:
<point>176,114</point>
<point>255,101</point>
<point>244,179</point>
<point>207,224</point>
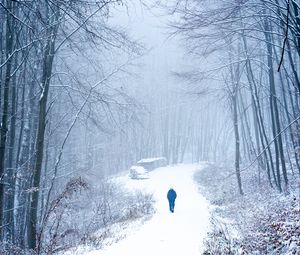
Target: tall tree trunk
<point>274,109</point>
<point>292,63</point>
<point>249,144</point>
<point>186,139</point>
<point>25,165</point>
<point>2,52</point>
<point>258,116</point>
<point>234,92</point>
<point>297,17</point>
<point>10,169</point>
<point>6,91</point>
<point>39,144</point>
<point>237,141</point>
<point>288,117</point>
<point>166,146</point>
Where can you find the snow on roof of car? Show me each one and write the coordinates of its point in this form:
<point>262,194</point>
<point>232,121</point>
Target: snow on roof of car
<point>149,160</point>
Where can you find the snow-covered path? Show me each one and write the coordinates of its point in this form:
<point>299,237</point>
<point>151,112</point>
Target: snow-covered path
<point>167,233</point>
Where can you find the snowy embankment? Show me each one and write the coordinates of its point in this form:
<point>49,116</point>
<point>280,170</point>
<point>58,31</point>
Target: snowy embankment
<point>165,233</point>
<point>262,221</point>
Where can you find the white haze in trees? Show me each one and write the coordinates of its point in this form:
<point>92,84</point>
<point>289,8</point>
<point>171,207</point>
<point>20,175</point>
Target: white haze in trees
<point>183,111</point>
<point>166,115</point>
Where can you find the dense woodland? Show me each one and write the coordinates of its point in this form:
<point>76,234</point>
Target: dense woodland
<point>256,45</point>
<point>71,113</point>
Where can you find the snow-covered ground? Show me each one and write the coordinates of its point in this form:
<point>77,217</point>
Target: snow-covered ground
<point>166,233</point>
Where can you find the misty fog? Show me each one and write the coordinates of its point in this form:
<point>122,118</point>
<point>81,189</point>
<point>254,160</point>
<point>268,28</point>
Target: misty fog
<point>106,105</point>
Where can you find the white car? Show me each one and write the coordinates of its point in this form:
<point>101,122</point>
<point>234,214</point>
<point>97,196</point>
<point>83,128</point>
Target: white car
<point>138,172</point>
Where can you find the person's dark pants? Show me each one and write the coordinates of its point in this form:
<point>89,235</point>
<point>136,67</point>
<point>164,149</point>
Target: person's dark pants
<point>171,205</point>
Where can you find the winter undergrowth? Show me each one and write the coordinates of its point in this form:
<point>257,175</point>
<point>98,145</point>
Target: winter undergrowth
<point>262,221</point>
<point>87,216</point>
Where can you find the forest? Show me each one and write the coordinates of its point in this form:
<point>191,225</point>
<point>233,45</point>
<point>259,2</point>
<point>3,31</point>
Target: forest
<point>90,87</point>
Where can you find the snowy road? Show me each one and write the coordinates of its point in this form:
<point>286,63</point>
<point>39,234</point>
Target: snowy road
<point>167,233</point>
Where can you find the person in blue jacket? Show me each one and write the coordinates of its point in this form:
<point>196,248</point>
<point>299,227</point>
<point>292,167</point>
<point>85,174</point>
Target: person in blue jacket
<point>171,197</point>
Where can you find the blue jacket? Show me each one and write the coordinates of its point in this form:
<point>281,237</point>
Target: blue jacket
<point>171,195</point>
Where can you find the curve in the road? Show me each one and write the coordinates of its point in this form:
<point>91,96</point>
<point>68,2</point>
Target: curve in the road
<point>166,233</point>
